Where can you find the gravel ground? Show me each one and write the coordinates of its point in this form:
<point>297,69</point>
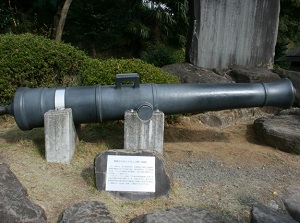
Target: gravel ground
<point>223,170</point>
<point>228,171</point>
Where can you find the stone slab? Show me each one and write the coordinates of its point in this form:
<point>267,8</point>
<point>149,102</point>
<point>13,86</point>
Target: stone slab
<point>162,180</point>
<point>225,34</point>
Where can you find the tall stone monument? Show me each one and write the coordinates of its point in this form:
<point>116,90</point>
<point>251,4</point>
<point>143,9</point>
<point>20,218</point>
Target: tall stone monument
<point>233,33</point>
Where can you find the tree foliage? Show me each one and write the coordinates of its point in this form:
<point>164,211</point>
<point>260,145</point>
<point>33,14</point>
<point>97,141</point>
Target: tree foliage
<point>103,24</point>
<point>98,26</point>
<point>289,27</point>
<point>6,17</point>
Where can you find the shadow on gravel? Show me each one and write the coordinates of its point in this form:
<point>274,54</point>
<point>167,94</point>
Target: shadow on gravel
<point>112,135</point>
<point>109,133</point>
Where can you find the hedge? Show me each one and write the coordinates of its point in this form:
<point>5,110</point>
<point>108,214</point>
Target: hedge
<point>34,61</point>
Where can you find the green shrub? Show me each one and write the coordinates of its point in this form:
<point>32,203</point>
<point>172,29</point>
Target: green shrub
<point>104,72</point>
<point>158,55</point>
<point>34,61</point>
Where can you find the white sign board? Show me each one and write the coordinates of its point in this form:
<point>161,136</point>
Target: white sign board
<point>130,173</point>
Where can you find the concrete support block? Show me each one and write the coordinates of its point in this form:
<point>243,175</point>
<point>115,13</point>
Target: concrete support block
<point>60,136</point>
<point>144,135</point>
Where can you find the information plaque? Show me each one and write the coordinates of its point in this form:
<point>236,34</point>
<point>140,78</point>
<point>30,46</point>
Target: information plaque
<point>130,173</point>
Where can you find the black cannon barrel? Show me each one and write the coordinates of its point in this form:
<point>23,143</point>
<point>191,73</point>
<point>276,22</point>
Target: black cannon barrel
<point>100,103</point>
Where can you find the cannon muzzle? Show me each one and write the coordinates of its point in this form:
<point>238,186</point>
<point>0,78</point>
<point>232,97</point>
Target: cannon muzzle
<point>100,103</point>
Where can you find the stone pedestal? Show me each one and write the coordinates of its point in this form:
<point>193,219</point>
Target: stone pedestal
<point>60,136</point>
<point>144,135</point>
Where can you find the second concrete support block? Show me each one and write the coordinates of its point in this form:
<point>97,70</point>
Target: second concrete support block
<point>144,135</point>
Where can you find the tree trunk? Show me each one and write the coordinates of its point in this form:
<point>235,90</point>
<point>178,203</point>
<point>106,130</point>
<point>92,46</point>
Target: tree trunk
<point>192,7</point>
<point>62,19</point>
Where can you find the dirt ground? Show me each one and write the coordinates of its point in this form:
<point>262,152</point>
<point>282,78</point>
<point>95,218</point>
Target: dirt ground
<point>224,170</point>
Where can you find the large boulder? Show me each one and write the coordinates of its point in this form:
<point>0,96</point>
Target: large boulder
<point>254,75</point>
<point>291,202</point>
<point>234,116</point>
<point>86,212</point>
<point>177,215</point>
<point>14,204</point>
<point>281,131</point>
<point>263,214</point>
<point>189,73</point>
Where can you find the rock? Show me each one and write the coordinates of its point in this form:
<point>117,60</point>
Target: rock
<point>223,73</point>
<point>291,111</point>
<point>262,214</point>
<point>210,119</point>
<point>272,204</point>
<point>295,78</point>
<point>86,212</point>
<point>162,180</point>
<point>234,116</point>
<point>292,203</point>
<point>281,131</point>
<point>254,75</point>
<point>178,215</point>
<point>192,74</point>
<point>14,204</point>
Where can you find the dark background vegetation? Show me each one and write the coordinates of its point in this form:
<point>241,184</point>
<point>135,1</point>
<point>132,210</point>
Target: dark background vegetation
<point>103,28</point>
<point>126,28</point>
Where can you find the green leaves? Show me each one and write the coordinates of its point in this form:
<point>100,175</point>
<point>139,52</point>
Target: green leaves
<point>138,29</point>
<point>158,55</point>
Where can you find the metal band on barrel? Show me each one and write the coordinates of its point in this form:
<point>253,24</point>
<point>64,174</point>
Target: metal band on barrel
<point>59,99</point>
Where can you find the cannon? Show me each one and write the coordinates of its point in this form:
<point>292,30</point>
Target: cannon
<point>101,103</point>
